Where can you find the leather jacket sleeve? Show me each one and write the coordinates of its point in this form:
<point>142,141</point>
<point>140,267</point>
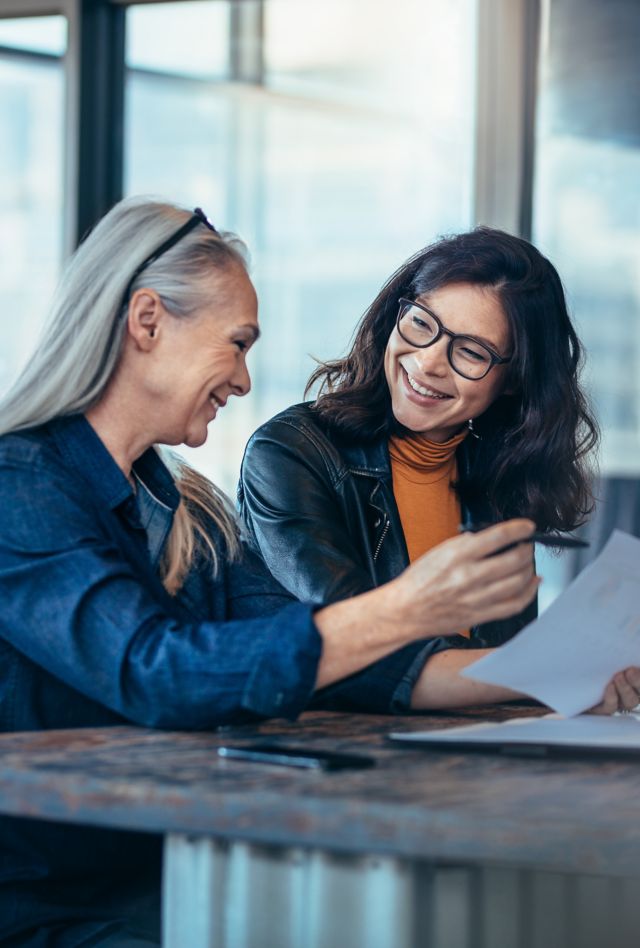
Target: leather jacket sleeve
<point>295,519</point>
<point>293,516</point>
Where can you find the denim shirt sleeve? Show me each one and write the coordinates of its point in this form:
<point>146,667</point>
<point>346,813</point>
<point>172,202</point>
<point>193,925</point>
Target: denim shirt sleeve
<point>73,604</point>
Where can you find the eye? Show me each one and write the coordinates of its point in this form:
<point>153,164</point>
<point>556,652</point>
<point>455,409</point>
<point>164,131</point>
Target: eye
<point>422,324</point>
<point>241,344</point>
<point>419,323</point>
<point>473,355</point>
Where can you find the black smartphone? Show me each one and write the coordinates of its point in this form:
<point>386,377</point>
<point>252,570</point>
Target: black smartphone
<point>284,756</point>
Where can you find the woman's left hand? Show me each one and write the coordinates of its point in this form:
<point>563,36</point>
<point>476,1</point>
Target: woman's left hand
<point>621,694</point>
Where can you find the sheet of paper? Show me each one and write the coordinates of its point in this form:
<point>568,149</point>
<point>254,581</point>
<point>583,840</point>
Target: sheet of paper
<point>566,657</point>
<point>589,730</point>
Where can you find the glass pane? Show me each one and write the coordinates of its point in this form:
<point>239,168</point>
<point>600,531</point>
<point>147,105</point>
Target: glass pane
<point>395,63</point>
<point>31,200</point>
<point>587,207</point>
<point>587,212</point>
<point>354,152</point>
<point>190,38</point>
<point>40,34</point>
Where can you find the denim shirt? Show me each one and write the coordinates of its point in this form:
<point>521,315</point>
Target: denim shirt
<point>89,637</point>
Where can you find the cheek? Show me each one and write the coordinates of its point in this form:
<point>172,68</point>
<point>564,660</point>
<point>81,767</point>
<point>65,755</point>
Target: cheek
<point>390,363</point>
<point>485,394</point>
<point>222,367</point>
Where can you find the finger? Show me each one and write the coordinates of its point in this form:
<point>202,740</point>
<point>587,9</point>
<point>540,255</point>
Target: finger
<point>633,677</point>
<point>456,561</point>
<point>609,703</point>
<point>627,694</point>
<point>516,561</point>
<point>478,610</point>
<point>487,579</point>
<point>508,606</point>
<point>489,541</point>
<point>502,590</point>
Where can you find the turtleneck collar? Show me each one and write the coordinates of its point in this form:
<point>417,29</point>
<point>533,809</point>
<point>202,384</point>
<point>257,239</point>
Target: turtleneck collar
<point>421,454</point>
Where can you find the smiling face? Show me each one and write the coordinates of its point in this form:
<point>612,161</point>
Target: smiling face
<point>427,395</point>
<point>196,363</point>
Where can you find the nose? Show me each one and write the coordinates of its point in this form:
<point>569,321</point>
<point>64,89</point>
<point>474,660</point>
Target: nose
<point>241,380</point>
<point>434,360</point>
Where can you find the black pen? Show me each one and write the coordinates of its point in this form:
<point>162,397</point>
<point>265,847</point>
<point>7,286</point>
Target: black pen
<point>546,539</point>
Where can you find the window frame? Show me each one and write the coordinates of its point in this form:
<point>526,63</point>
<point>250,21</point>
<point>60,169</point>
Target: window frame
<point>94,136</point>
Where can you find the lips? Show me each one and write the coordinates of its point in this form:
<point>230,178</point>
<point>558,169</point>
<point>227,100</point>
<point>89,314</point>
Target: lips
<point>217,402</point>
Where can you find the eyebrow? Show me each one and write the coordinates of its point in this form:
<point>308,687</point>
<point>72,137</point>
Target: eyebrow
<point>483,339</point>
<point>253,331</point>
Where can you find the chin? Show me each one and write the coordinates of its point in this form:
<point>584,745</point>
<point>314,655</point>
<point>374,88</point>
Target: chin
<point>196,441</point>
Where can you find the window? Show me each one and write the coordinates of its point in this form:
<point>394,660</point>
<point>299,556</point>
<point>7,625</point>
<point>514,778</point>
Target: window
<point>31,179</point>
<point>587,218</point>
<point>587,202</point>
<point>335,152</point>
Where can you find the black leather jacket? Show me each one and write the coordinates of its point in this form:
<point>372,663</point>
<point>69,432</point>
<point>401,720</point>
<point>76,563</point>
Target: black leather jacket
<point>322,514</point>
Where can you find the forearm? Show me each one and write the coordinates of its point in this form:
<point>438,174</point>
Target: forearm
<point>442,686</point>
<point>357,632</point>
<point>458,584</point>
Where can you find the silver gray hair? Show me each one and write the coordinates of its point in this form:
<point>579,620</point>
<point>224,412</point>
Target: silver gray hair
<point>82,340</point>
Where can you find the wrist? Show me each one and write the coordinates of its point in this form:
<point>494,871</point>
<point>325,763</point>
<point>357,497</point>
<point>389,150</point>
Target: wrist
<point>412,608</point>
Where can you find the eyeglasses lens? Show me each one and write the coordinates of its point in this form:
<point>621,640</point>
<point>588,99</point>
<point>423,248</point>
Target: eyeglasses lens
<point>468,357</point>
<point>418,327</point>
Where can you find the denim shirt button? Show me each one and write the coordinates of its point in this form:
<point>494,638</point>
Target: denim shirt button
<point>279,699</point>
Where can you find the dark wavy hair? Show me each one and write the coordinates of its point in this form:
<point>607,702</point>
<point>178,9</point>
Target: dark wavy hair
<point>531,457</point>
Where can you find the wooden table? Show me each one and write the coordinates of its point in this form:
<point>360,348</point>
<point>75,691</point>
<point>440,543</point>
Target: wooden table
<point>429,848</point>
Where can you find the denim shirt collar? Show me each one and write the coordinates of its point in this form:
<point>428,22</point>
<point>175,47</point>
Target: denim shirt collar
<point>86,453</point>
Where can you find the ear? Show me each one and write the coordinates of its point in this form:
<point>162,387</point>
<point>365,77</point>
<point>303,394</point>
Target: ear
<point>144,319</point>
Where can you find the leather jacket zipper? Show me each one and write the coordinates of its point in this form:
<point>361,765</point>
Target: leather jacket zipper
<point>385,530</point>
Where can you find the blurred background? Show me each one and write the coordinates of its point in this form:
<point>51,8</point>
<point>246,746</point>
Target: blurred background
<point>337,137</point>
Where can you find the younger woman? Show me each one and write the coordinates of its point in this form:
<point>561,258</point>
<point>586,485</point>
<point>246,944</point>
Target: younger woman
<point>459,404</point>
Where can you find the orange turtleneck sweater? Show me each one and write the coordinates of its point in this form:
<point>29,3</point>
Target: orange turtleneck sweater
<point>423,472</point>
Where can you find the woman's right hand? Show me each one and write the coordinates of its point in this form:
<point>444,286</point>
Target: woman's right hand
<point>465,581</point>
<point>461,582</point>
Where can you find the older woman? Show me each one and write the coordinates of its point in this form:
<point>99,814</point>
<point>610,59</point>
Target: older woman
<point>458,404</point>
<point>126,592</point>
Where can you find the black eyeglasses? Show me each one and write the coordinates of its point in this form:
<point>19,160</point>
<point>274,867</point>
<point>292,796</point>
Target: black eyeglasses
<point>467,356</point>
<point>198,217</point>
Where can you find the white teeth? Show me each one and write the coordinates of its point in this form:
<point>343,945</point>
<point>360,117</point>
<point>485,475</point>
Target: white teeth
<point>214,401</point>
<point>424,391</point>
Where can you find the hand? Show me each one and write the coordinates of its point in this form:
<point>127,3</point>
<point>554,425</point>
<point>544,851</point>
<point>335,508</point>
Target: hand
<point>466,581</point>
<point>621,694</point>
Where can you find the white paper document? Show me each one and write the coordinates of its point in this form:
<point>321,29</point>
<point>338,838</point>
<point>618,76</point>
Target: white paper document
<point>566,657</point>
<point>590,732</point>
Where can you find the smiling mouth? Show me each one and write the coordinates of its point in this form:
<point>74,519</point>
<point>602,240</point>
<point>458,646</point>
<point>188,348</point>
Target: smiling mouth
<point>215,401</point>
<point>424,390</point>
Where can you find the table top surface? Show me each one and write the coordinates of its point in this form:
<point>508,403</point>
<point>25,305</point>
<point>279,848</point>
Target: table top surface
<point>573,815</point>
